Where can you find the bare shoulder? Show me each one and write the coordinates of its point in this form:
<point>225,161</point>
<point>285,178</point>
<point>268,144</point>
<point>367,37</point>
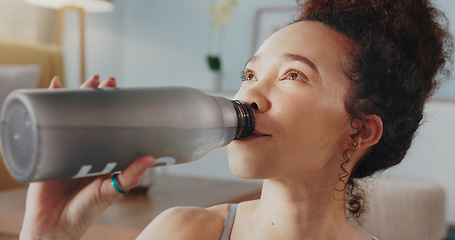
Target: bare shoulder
<point>186,223</point>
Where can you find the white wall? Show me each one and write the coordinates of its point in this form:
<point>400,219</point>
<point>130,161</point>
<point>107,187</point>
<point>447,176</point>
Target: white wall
<point>104,44</point>
<point>166,42</point>
<point>154,42</point>
<point>447,89</point>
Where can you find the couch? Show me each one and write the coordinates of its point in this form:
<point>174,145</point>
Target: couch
<point>26,65</point>
<point>402,208</point>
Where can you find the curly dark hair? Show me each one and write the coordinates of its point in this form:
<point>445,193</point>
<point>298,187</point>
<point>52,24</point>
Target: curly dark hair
<point>400,47</point>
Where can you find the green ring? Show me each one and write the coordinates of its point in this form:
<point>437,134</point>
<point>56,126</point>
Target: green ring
<point>116,184</point>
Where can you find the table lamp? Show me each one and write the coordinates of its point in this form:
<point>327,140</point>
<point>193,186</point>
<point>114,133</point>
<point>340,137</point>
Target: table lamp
<point>81,6</point>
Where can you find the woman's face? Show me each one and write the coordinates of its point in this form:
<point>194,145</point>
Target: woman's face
<point>296,82</point>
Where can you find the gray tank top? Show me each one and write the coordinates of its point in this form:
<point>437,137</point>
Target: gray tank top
<point>229,222</point>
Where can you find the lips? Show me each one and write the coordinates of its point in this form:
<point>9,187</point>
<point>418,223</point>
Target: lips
<point>256,134</point>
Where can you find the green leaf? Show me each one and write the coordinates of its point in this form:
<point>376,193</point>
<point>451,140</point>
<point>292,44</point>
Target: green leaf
<point>214,63</point>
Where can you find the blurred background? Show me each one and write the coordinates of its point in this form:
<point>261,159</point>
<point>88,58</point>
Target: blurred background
<point>163,43</point>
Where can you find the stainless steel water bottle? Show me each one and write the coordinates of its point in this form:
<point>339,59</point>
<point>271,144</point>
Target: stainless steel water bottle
<point>56,134</point>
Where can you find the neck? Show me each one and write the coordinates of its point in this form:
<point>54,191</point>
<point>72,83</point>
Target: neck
<point>303,209</point>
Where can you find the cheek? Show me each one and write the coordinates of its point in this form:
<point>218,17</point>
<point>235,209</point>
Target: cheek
<point>334,127</point>
<point>319,125</point>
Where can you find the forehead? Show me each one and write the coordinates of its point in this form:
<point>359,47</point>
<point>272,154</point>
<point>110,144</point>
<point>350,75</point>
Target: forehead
<point>312,39</point>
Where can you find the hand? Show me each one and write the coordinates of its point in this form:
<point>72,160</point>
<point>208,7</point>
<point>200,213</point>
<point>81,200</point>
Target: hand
<point>64,209</point>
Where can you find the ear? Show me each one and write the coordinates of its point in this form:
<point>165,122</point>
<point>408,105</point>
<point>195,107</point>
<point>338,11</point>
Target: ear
<point>371,131</point>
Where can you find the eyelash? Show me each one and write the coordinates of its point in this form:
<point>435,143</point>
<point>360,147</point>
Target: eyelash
<point>299,73</point>
<point>244,73</point>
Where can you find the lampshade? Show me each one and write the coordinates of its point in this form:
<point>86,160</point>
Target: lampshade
<point>87,5</point>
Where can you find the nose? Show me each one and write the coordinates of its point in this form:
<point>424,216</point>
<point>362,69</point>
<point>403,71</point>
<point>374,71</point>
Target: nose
<point>255,96</point>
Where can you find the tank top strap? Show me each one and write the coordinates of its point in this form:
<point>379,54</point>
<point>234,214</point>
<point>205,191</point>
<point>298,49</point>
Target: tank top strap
<point>229,222</point>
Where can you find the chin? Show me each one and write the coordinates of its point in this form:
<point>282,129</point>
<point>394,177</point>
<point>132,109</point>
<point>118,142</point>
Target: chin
<point>245,166</point>
<point>243,174</point>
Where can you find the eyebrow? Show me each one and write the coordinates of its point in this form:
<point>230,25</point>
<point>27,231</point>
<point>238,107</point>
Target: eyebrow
<point>290,57</point>
<point>295,57</point>
<point>252,60</point>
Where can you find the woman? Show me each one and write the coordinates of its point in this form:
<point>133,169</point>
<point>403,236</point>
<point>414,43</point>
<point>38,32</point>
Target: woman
<point>338,95</point>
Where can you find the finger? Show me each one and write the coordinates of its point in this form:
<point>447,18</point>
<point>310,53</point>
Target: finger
<point>130,177</point>
<point>55,83</point>
<point>108,83</point>
<point>92,82</point>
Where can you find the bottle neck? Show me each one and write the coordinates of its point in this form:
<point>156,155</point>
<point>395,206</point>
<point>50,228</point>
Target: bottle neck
<point>245,119</point>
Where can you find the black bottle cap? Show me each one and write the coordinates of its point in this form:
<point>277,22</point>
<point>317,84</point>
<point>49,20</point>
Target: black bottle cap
<point>245,119</point>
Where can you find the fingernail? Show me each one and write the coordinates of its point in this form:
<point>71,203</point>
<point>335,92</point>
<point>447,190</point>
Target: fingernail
<point>151,161</point>
<point>95,77</point>
<point>55,82</point>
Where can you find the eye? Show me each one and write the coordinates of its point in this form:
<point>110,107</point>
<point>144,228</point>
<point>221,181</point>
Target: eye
<point>295,75</point>
<point>248,75</point>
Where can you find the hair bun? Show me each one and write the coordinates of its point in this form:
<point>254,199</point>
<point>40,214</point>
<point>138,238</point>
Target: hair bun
<point>417,28</point>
